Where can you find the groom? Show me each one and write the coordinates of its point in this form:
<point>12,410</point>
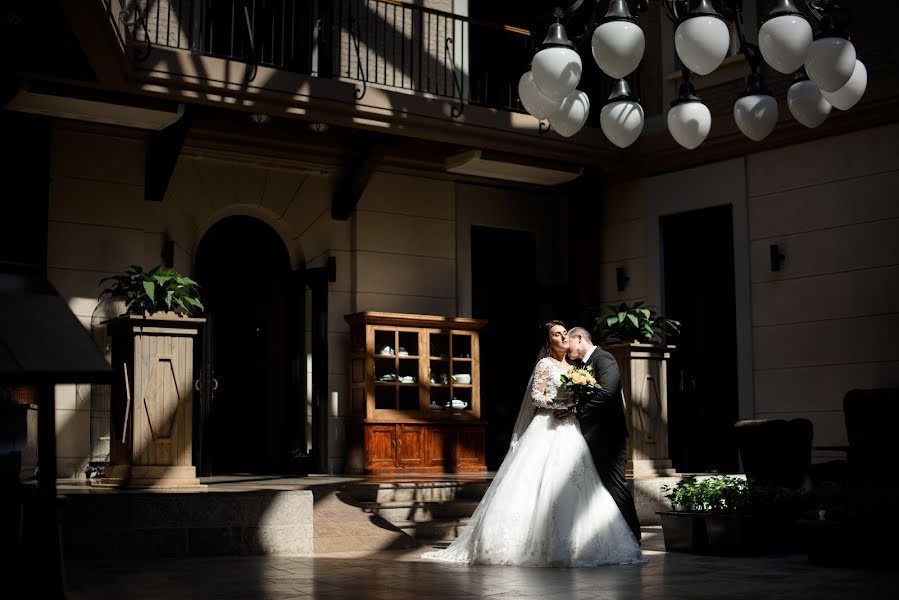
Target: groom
<point>602,422</point>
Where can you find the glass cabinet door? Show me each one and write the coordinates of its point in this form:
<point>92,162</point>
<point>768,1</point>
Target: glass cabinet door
<point>396,370</point>
<point>450,372</point>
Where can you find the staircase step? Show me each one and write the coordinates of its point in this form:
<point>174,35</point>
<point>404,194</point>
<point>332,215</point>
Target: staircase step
<point>418,512</point>
<point>437,530</point>
<point>419,491</point>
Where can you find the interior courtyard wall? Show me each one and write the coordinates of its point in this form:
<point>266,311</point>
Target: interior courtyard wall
<point>96,228</point>
<point>826,322</point>
<point>543,212</point>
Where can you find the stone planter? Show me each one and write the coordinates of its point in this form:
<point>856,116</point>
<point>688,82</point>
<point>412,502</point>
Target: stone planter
<point>684,532</point>
<point>151,424</point>
<point>644,383</point>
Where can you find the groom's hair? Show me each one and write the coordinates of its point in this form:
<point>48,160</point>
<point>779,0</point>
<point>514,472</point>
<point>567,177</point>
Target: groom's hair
<point>581,332</point>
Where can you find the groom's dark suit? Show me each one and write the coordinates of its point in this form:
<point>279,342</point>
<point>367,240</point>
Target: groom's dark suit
<point>604,427</point>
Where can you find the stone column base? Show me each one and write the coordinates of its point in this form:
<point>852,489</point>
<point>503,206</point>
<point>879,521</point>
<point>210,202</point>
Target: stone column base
<point>156,477</point>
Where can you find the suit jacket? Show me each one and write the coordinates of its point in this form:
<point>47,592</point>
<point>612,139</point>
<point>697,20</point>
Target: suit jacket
<point>602,418</point>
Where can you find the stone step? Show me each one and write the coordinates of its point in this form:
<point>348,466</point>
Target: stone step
<point>418,512</point>
<point>440,491</point>
<point>437,530</point>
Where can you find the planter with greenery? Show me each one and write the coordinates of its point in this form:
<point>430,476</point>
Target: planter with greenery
<point>729,526</point>
<point>633,334</point>
<point>625,323</point>
<point>157,290</point>
<point>683,527</point>
<point>151,414</point>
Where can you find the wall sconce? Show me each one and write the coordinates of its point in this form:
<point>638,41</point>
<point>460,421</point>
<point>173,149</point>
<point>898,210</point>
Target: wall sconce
<point>621,279</point>
<point>777,256</point>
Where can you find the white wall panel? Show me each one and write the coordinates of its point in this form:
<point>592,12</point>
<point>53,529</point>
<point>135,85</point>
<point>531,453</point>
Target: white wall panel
<point>856,200</point>
<point>87,155</point>
<point>835,343</point>
<point>412,196</point>
<point>819,387</point>
<point>108,203</point>
<point>835,250</point>
<point>93,248</point>
<point>409,275</point>
<point>419,305</point>
<point>623,240</point>
<point>402,234</point>
<point>824,160</point>
<point>835,296</point>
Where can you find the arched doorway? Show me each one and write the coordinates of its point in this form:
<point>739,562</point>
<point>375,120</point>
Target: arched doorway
<point>246,424</point>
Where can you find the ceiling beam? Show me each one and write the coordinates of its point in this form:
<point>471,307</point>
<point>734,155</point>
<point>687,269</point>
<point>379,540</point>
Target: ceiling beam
<point>163,151</point>
<point>351,185</point>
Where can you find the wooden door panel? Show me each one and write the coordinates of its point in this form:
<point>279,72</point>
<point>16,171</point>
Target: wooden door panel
<point>470,447</point>
<point>380,446</point>
<point>410,446</point>
<point>440,447</point>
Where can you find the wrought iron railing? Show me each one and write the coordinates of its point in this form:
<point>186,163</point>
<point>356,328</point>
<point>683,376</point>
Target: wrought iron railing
<point>387,43</point>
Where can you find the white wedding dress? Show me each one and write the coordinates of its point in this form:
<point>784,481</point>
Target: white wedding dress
<point>546,506</point>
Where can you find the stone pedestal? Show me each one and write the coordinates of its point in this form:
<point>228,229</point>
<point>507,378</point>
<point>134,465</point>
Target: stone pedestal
<point>151,420</point>
<point>644,383</point>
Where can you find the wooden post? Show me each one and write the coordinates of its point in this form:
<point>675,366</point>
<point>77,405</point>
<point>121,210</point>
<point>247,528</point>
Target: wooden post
<point>151,437</point>
<point>644,384</point>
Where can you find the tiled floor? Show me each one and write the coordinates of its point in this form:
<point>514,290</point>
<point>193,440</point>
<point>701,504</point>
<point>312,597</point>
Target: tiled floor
<point>402,575</point>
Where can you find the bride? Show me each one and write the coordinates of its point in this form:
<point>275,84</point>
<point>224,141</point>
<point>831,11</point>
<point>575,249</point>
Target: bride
<point>546,506</point>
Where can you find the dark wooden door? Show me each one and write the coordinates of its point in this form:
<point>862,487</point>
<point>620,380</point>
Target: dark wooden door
<point>702,376</point>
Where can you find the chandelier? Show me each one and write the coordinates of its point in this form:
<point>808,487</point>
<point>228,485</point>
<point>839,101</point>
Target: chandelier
<point>827,73</point>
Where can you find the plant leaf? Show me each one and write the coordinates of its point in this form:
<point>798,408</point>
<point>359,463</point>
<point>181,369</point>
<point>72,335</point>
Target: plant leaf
<point>150,288</point>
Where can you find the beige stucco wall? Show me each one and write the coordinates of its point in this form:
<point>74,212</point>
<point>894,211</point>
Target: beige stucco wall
<point>827,322</point>
<point>399,252</point>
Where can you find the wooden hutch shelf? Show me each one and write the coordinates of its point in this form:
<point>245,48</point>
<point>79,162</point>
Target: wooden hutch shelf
<point>415,394</point>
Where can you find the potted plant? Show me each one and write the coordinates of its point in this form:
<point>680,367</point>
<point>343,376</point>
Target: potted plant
<point>151,413</point>
<point>728,524</point>
<point>683,527</point>
<point>625,323</point>
<point>157,290</point>
<point>633,334</point>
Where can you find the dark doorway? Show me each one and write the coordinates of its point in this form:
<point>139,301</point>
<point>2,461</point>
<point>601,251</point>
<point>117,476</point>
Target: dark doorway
<point>699,291</point>
<point>244,270</point>
<point>504,291</point>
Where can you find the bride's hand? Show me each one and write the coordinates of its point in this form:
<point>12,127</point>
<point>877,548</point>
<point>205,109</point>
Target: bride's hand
<point>563,413</point>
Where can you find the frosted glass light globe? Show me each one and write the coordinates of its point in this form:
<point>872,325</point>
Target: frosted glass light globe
<point>807,104</point>
<point>532,99</point>
<point>702,43</point>
<point>557,71</point>
<point>830,62</point>
<point>689,123</point>
<point>756,116</point>
<point>784,42</point>
<point>618,48</point>
<point>622,122</point>
<point>847,96</point>
<point>571,114</point>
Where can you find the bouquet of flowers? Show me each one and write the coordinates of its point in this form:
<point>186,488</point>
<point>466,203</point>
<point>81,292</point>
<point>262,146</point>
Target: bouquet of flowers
<point>581,383</point>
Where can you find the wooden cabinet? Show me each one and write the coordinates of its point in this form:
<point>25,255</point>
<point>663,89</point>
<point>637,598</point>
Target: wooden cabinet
<point>415,393</point>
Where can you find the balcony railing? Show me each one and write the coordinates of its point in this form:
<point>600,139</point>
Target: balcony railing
<point>387,43</point>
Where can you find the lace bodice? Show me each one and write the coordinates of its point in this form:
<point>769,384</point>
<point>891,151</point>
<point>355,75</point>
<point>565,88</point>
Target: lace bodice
<point>547,392</point>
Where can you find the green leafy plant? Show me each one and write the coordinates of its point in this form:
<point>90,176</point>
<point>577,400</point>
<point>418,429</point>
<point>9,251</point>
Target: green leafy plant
<point>157,290</point>
<point>685,496</point>
<point>716,493</point>
<point>725,493</point>
<point>634,322</point>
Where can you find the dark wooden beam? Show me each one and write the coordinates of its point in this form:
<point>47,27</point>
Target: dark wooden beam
<point>99,34</point>
<point>356,176</point>
<point>163,151</point>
